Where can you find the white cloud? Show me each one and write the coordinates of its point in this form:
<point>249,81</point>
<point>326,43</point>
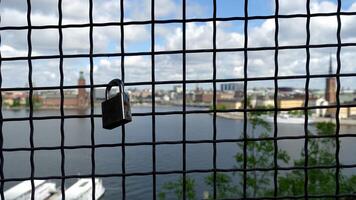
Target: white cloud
<point>7,17</point>
<point>75,11</point>
<point>10,51</point>
<point>292,7</point>
<point>199,36</point>
<point>322,7</point>
<point>292,32</point>
<point>164,8</point>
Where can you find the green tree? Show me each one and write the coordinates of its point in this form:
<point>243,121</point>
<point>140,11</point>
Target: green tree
<point>176,187</point>
<point>298,113</point>
<point>224,185</point>
<point>321,152</point>
<point>260,154</point>
<point>218,107</point>
<point>16,102</point>
<point>36,100</point>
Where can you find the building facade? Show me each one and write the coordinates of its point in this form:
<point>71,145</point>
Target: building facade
<point>72,99</point>
<point>82,93</point>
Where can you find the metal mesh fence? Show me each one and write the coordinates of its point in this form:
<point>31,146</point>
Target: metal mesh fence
<point>153,113</point>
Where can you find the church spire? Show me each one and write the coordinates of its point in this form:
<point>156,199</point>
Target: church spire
<point>330,65</point>
<point>330,89</point>
<point>81,75</point>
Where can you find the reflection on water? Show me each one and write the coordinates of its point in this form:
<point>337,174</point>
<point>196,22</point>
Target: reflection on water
<point>138,158</point>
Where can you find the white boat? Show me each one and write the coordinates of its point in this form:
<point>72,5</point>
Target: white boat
<point>82,189</point>
<point>287,119</point>
<point>22,191</point>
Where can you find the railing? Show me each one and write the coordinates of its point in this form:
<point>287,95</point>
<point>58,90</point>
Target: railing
<point>245,140</point>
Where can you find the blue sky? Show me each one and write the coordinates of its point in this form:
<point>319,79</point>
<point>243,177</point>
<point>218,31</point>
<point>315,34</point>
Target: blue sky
<point>169,37</point>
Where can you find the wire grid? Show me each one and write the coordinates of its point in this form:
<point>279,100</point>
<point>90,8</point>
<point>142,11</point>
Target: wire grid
<point>122,54</point>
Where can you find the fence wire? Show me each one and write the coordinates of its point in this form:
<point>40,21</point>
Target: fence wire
<point>153,113</point>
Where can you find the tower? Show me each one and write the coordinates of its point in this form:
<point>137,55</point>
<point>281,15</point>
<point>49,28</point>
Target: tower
<point>330,90</point>
<point>82,93</point>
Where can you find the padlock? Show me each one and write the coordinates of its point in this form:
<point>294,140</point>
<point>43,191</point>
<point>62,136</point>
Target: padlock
<point>116,110</point>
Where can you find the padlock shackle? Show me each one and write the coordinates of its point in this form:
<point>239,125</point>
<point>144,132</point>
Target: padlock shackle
<point>112,83</point>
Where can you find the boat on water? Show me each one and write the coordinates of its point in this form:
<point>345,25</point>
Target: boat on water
<point>82,189</point>
<point>22,191</point>
<point>287,119</point>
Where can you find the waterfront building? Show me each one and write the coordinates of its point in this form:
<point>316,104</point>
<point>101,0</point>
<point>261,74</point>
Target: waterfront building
<point>291,102</point>
<point>348,112</point>
<point>229,103</point>
<point>82,97</point>
<point>72,99</point>
<point>178,89</point>
<point>227,95</point>
<point>296,101</point>
<point>259,100</point>
<point>14,98</point>
<point>52,99</point>
<point>206,97</point>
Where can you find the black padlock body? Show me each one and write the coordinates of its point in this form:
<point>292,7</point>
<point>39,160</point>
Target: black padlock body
<point>116,111</point>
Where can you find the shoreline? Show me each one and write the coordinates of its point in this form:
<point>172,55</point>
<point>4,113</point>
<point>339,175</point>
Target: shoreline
<point>73,108</point>
<point>239,116</point>
<point>225,115</point>
<point>42,108</point>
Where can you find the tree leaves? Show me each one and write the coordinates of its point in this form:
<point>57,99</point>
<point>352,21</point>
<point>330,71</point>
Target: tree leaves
<point>176,187</point>
<point>260,154</point>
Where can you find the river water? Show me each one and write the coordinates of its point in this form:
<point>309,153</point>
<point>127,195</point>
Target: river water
<point>138,158</point>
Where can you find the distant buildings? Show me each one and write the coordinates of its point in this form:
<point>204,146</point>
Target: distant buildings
<point>230,96</point>
<point>204,97</point>
<point>178,89</point>
<point>72,99</point>
<point>291,102</point>
<point>234,103</point>
<point>14,99</point>
<point>231,87</point>
<point>48,99</point>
